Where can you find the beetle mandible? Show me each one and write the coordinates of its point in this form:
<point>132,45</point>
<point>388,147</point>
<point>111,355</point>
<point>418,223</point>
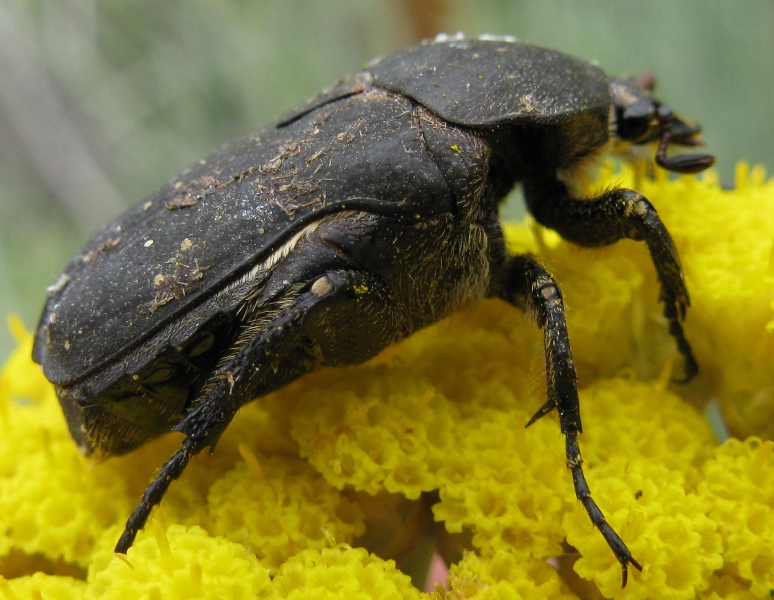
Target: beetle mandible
<point>349,223</point>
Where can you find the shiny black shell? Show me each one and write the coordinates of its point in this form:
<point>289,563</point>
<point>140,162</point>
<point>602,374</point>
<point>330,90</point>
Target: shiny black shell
<point>204,229</point>
<point>210,224</point>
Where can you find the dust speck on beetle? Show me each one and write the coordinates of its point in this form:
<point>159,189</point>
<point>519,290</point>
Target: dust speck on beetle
<point>185,280</point>
<point>107,245</point>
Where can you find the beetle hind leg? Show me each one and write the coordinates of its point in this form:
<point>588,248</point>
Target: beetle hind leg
<point>294,342</point>
<point>530,287</point>
<point>173,468</point>
<point>203,427</point>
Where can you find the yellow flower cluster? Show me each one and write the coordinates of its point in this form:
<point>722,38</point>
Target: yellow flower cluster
<point>320,489</point>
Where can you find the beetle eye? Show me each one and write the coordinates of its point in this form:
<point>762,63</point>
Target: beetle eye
<point>634,121</point>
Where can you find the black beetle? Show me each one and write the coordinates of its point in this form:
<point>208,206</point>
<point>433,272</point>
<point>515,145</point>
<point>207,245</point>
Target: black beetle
<point>351,222</point>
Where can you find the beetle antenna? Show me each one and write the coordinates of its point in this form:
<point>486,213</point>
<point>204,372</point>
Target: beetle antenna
<point>685,164</point>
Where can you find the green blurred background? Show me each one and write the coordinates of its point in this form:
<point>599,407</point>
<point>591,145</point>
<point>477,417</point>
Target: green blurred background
<point>101,102</point>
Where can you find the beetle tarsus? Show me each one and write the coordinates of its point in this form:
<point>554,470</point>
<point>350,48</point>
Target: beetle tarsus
<point>583,493</point>
<point>173,468</point>
<point>690,366</point>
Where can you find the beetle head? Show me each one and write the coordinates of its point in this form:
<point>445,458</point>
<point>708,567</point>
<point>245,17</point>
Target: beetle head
<point>641,119</point>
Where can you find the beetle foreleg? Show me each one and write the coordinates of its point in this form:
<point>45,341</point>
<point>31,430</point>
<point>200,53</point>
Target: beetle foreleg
<point>614,215</point>
<point>529,286</point>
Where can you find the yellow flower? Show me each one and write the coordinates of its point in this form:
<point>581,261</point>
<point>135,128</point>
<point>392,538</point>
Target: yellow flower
<point>181,562</point>
<point>739,483</point>
<point>320,489</point>
<point>342,572</point>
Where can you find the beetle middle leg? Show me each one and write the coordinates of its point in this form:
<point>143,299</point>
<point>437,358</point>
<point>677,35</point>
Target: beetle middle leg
<point>290,344</point>
<point>530,287</point>
<point>614,215</point>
